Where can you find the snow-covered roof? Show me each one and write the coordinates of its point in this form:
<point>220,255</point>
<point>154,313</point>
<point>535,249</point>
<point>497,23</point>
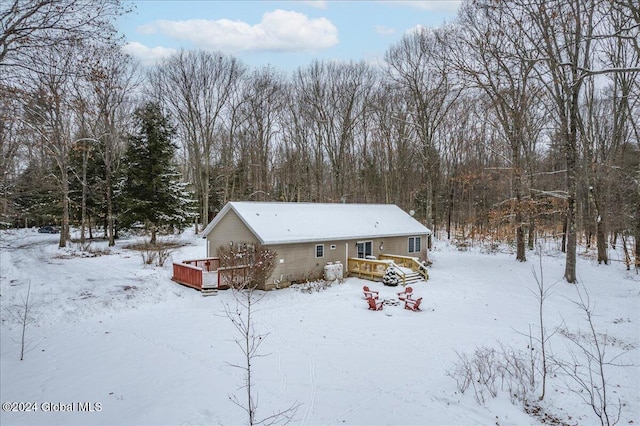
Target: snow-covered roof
<point>284,223</point>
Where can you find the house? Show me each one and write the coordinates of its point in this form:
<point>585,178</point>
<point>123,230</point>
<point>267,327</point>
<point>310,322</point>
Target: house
<point>308,236</point>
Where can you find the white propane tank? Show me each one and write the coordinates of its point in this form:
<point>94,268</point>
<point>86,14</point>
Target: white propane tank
<point>330,272</point>
<point>339,268</point>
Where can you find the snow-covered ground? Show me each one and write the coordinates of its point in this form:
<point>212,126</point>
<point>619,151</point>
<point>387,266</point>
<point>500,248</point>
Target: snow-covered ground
<point>142,350</point>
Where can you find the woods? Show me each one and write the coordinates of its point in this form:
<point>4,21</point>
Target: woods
<point>518,121</point>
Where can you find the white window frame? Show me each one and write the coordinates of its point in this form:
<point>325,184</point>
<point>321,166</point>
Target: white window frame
<point>318,246</point>
<point>416,242</point>
<point>364,248</point>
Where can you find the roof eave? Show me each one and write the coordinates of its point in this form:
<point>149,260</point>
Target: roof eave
<point>223,213</point>
<point>342,238</point>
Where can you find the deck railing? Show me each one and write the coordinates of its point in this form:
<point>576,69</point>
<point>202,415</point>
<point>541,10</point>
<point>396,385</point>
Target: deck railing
<point>208,264</point>
<point>190,273</point>
<point>233,276</point>
<point>187,274</point>
<point>408,262</point>
<point>367,268</point>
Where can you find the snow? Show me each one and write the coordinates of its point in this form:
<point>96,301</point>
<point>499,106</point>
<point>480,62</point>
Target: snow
<point>210,279</point>
<point>283,223</point>
<point>113,331</point>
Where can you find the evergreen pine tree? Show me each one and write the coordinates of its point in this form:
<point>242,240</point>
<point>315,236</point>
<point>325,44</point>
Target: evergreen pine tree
<point>36,196</point>
<point>151,191</point>
<point>391,277</point>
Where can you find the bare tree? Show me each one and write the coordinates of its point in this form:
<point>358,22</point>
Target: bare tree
<point>259,128</point>
<point>106,117</point>
<point>416,65</point>
<point>304,163</point>
<point>43,57</point>
<point>495,61</point>
<point>11,144</point>
<point>542,293</point>
<point>336,96</point>
<point>196,87</point>
<point>590,363</point>
<point>49,113</point>
<point>389,156</point>
<point>260,263</point>
<point>25,319</point>
<point>620,53</point>
<point>249,342</point>
<point>31,26</point>
<point>561,35</point>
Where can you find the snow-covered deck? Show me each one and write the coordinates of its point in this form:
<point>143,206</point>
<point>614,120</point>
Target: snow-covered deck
<point>197,273</point>
<point>374,269</point>
<point>206,274</point>
<point>210,279</point>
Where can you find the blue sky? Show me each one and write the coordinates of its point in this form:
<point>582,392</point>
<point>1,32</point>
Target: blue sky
<point>283,34</point>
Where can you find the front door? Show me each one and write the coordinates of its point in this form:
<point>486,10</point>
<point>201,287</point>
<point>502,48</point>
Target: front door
<point>365,248</point>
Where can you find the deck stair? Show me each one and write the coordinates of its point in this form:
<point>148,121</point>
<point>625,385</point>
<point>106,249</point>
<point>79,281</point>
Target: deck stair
<point>409,265</point>
<point>209,291</point>
<point>412,277</point>
<point>409,268</point>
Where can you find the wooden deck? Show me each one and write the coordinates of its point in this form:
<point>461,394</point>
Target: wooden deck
<point>374,269</point>
<point>206,274</point>
<point>187,274</point>
<point>367,268</point>
<point>408,262</point>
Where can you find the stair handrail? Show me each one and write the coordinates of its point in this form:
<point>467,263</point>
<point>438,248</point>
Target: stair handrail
<point>401,273</point>
<point>421,268</point>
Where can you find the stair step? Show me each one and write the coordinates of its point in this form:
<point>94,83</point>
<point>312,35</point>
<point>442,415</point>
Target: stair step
<point>209,291</point>
<point>412,277</point>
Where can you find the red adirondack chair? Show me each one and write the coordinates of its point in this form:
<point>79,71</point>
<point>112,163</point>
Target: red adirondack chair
<point>374,305</point>
<point>406,294</point>
<point>369,293</point>
<point>412,305</point>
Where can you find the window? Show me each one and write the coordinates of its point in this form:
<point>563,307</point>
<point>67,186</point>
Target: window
<point>364,248</point>
<point>319,250</point>
<point>333,246</point>
<point>415,245</point>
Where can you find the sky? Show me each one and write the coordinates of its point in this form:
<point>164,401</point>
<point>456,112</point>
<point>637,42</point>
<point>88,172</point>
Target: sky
<point>282,34</point>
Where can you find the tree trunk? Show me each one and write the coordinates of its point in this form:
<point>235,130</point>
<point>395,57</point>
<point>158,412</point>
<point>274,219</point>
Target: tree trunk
<point>450,210</point>
<point>84,194</point>
<point>601,238</point>
<point>64,229</point>
<point>637,232</point>
<point>153,234</point>
<point>570,264</point>
<point>571,148</point>
<point>521,255</point>
<point>614,239</point>
<point>109,193</point>
<point>564,234</point>
<point>205,191</point>
<point>532,232</point>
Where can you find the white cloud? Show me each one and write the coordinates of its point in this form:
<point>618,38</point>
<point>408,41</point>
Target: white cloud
<point>430,5</point>
<point>147,55</point>
<point>320,4</point>
<point>383,30</point>
<point>279,30</point>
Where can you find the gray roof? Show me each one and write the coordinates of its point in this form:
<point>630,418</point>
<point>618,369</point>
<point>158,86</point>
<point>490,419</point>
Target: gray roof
<point>285,223</point>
